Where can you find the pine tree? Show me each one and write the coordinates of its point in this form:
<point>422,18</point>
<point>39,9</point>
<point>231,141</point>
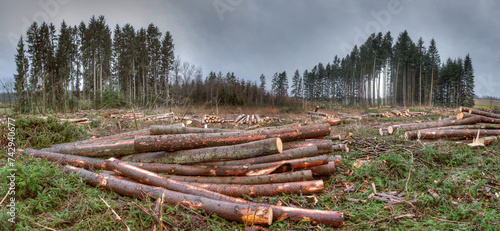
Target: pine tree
<point>469,82</point>
<point>297,85</point>
<point>167,60</point>
<point>434,63</point>
<point>262,88</point>
<point>21,78</point>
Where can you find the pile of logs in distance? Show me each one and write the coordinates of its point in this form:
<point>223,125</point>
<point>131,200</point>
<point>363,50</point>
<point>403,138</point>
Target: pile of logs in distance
<point>210,169</point>
<point>469,125</point>
<point>250,119</point>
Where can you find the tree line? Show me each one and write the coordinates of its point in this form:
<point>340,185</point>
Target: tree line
<point>92,66</point>
<point>383,72</point>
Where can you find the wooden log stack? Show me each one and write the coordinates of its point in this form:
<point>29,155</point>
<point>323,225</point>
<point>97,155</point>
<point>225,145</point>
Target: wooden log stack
<point>211,171</point>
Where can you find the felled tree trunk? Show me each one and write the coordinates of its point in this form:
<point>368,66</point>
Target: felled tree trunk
<point>121,136</point>
<point>479,112</point>
<point>305,175</point>
<point>329,218</point>
<point>201,140</point>
<point>324,146</point>
<point>297,153</point>
<point>241,212</point>
<point>462,133</point>
<point>212,154</point>
<point>303,187</point>
<point>167,130</point>
<point>340,148</point>
<point>77,161</point>
<point>107,149</point>
<point>433,124</point>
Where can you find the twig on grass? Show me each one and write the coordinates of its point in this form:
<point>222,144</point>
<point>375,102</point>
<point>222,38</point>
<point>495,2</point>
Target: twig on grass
<point>444,220</point>
<point>1,202</point>
<point>45,227</point>
<point>116,214</point>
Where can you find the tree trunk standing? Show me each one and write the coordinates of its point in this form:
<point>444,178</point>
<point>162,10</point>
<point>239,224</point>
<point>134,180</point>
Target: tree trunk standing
<point>385,81</point>
<point>420,85</point>
<point>432,83</point>
<point>374,79</point>
<point>94,74</point>
<point>405,70</point>
<point>100,77</point>
<point>395,90</point>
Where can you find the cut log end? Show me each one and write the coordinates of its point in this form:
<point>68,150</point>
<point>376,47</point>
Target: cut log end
<point>279,145</point>
<point>259,217</point>
<point>390,130</point>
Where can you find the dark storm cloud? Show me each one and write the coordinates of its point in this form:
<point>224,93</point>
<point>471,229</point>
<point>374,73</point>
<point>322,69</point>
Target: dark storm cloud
<point>255,37</point>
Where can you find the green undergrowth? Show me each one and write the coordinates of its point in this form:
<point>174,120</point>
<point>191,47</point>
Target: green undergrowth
<point>445,186</point>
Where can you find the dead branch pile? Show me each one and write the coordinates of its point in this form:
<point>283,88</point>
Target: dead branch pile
<point>210,171</point>
<point>469,124</point>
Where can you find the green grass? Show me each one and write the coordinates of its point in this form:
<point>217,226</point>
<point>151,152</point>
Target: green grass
<point>47,197</point>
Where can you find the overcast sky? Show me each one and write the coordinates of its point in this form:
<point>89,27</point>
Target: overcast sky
<point>250,37</point>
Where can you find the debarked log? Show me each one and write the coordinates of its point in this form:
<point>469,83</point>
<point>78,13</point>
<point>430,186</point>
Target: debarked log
<point>305,175</point>
<point>302,188</point>
<point>462,133</point>
<point>201,140</point>
<point>241,212</point>
<point>212,154</point>
<point>291,154</point>
<point>106,149</point>
<point>167,130</point>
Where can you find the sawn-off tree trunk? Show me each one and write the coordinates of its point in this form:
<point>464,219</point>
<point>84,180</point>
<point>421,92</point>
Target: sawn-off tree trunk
<point>212,154</point>
<point>305,175</point>
<point>121,136</point>
<point>479,112</point>
<point>201,140</point>
<point>433,124</point>
<point>167,130</point>
<point>462,133</point>
<point>106,149</point>
<point>241,212</point>
<point>324,146</point>
<point>127,188</point>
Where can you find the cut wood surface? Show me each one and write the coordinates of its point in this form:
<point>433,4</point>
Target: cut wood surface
<point>201,140</point>
<point>121,136</point>
<point>383,132</point>
<point>241,212</point>
<point>303,188</point>
<point>461,133</point>
<point>479,112</point>
<point>324,146</point>
<point>166,130</point>
<point>106,149</point>
<point>290,154</point>
<point>213,154</point>
<point>305,175</point>
<point>340,148</point>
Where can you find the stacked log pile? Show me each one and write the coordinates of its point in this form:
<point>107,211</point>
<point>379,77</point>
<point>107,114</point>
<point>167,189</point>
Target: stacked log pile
<point>469,124</point>
<point>212,119</point>
<point>252,119</point>
<point>210,169</point>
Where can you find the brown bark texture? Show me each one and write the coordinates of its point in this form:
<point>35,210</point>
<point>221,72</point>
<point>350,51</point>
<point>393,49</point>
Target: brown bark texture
<point>201,140</point>
<point>433,124</point>
<point>302,188</point>
<point>479,112</point>
<point>462,133</point>
<point>121,136</point>
<point>240,212</point>
<point>291,154</point>
<point>305,175</point>
<point>324,146</point>
<point>168,130</point>
<point>106,149</point>
<point>213,154</point>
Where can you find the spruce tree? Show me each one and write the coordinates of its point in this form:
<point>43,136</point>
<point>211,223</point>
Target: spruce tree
<point>21,78</point>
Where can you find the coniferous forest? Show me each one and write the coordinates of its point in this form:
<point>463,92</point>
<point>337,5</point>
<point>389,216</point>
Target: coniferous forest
<point>92,65</point>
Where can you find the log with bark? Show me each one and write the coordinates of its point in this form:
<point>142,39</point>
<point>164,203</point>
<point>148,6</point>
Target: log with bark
<point>200,140</point>
<point>472,126</point>
<point>241,212</point>
<point>290,154</point>
<point>441,123</point>
<point>461,133</point>
<point>479,112</point>
<point>168,130</point>
<point>212,154</point>
<point>304,175</point>
<point>287,165</point>
<point>324,146</point>
<point>174,169</point>
<point>329,218</point>
<point>340,148</point>
<point>302,188</point>
<point>383,131</point>
<point>121,136</point>
<point>105,149</point>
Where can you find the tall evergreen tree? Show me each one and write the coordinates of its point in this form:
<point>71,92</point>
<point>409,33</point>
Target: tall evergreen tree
<point>21,78</point>
<point>297,85</point>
